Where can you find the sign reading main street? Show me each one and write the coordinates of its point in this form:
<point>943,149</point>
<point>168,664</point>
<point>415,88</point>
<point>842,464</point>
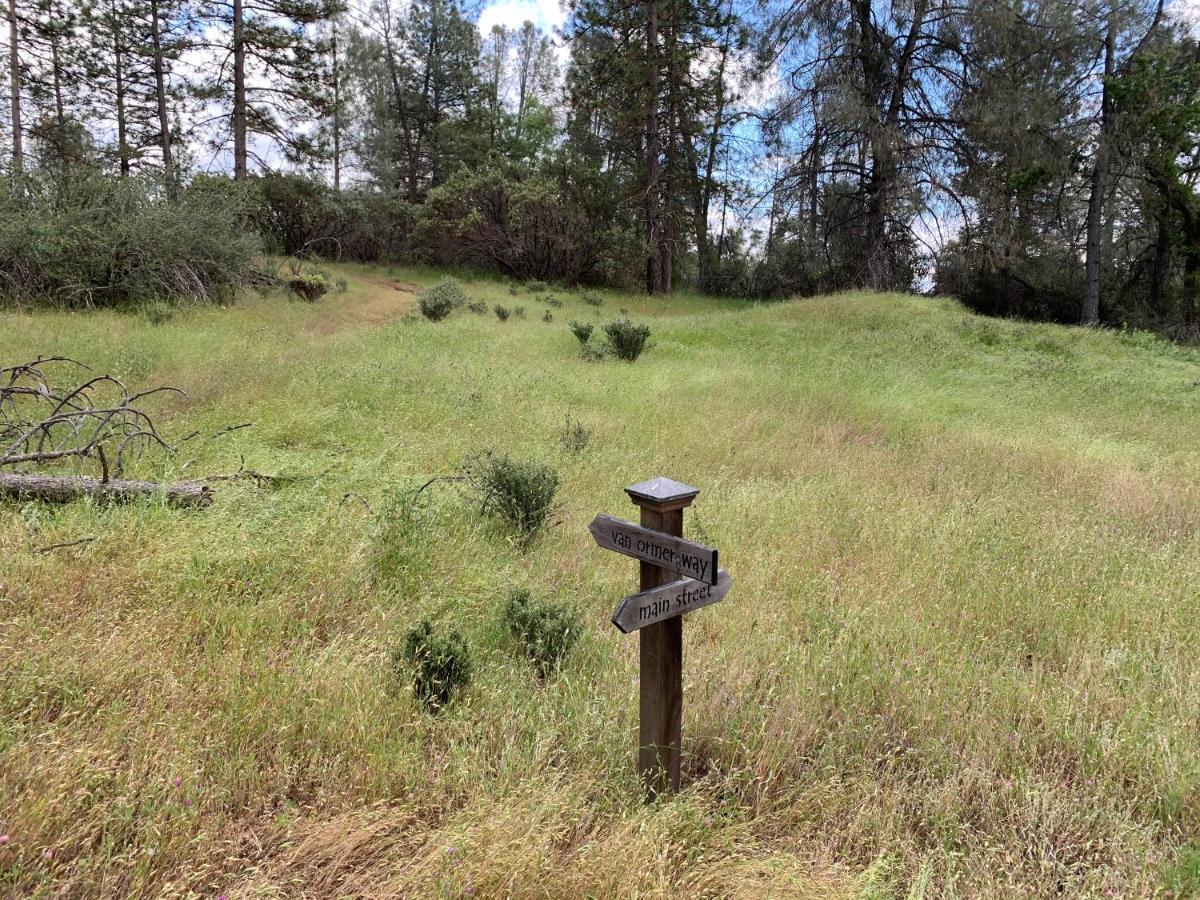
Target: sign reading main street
<point>670,600</point>
<point>663,550</point>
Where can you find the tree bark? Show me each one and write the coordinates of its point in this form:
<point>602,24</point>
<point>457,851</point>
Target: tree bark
<point>653,227</point>
<point>119,77</point>
<point>1090,314</point>
<point>14,86</point>
<point>160,93</point>
<point>56,489</point>
<point>241,167</point>
<point>337,112</point>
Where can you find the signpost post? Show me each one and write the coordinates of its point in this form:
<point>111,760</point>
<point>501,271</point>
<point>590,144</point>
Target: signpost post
<point>656,613</point>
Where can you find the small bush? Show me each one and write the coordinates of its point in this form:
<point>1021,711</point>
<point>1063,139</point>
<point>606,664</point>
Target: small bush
<point>308,286</point>
<point>536,287</point>
<point>518,492</point>
<point>547,317</point>
<point>518,312</point>
<point>545,631</point>
<point>502,312</point>
<point>555,302</point>
<point>592,299</point>
<point>575,437</point>
<point>626,340</point>
<point>158,312</point>
<point>443,298</point>
<point>478,307</point>
<point>512,290</point>
<point>591,353</point>
<point>440,664</point>
<point>341,285</point>
<point>582,331</point>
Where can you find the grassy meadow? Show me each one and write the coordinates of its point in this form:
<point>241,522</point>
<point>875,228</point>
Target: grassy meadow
<point>961,657</point>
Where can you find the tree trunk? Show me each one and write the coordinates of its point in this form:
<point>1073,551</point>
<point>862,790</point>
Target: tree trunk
<point>160,93</point>
<point>119,77</point>
<point>1090,314</point>
<point>14,86</point>
<point>1162,259</point>
<point>337,113</point>
<point>653,227</point>
<point>241,167</point>
<point>55,489</point>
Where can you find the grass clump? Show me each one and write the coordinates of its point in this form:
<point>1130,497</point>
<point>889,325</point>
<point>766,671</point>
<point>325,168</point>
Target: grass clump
<point>478,307</point>
<point>626,340</point>
<point>443,298</point>
<point>591,299</point>
<point>555,302</point>
<point>440,664</point>
<point>308,286</point>
<point>518,492</point>
<point>582,331</point>
<point>537,287</point>
<point>547,317</point>
<point>502,312</point>
<point>575,437</point>
<point>544,631</point>
<point>518,312</point>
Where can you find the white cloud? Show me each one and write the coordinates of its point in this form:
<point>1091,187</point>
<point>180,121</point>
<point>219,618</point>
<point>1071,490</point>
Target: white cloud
<point>548,14</point>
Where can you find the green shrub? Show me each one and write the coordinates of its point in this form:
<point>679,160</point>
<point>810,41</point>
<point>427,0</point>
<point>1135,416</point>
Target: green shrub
<point>518,312</point>
<point>440,664</point>
<point>536,287</point>
<point>626,340</point>
<point>502,312</point>
<point>341,285</point>
<point>547,317</point>
<point>93,240</point>
<point>575,437</point>
<point>555,302</point>
<point>592,299</point>
<point>158,312</point>
<point>591,353</point>
<point>518,492</point>
<point>545,631</point>
<point>443,298</point>
<point>308,286</point>
<point>478,307</point>
<point>582,331</point>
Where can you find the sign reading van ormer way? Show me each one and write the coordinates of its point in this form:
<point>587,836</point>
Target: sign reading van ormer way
<point>663,550</point>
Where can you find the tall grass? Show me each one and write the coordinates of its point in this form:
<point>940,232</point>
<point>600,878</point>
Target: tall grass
<point>960,658</point>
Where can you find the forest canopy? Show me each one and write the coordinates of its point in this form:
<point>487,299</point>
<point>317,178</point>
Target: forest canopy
<point>1035,159</point>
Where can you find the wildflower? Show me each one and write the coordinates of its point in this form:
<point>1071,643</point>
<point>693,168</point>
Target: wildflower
<point>3,839</point>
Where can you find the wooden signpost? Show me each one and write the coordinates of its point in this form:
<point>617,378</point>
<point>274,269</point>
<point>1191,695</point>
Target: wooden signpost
<point>656,614</point>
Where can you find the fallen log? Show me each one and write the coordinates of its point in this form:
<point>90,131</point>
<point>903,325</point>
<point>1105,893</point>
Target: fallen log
<point>54,489</point>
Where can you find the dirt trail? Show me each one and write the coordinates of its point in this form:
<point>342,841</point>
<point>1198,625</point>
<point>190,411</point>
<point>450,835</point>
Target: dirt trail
<point>372,300</point>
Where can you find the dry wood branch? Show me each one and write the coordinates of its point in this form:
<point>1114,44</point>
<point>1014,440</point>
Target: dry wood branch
<point>41,423</point>
<point>57,489</point>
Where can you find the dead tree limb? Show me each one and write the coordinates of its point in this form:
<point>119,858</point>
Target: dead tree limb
<point>59,489</point>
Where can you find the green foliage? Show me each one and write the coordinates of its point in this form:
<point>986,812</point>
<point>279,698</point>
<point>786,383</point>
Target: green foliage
<point>626,340</point>
<point>440,664</point>
<point>158,312</point>
<point>591,299</point>
<point>547,317</point>
<point>545,631</point>
<point>537,287</point>
<point>582,331</point>
<point>555,302</point>
<point>518,312</point>
<point>441,299</point>
<point>308,286</point>
<point>99,241</point>
<point>502,312</point>
<point>575,437</point>
<point>518,492</point>
<point>478,307</point>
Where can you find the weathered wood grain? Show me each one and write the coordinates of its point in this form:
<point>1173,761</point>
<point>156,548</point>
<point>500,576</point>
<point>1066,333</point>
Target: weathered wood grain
<point>56,489</point>
<point>671,600</point>
<point>657,547</point>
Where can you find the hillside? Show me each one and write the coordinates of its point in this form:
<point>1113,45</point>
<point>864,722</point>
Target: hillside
<point>960,659</point>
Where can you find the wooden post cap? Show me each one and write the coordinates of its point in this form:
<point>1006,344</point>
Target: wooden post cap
<point>662,493</point>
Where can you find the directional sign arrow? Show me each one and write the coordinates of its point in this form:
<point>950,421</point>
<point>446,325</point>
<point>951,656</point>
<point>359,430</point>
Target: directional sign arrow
<point>670,600</point>
<point>663,550</point>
